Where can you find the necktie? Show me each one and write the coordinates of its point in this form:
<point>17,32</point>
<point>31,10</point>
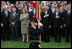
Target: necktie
<point>13,14</point>
<point>6,14</point>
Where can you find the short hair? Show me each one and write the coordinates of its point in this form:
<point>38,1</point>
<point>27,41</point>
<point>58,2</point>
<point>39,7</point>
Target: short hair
<point>14,8</point>
<point>22,10</point>
<point>6,6</point>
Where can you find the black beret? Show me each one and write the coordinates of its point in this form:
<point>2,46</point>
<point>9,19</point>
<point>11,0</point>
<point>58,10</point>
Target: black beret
<point>34,20</point>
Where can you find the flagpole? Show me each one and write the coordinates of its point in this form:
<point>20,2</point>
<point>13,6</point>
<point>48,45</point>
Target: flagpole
<point>38,12</point>
<point>39,20</point>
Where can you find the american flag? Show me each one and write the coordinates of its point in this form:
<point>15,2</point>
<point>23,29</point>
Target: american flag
<point>36,9</point>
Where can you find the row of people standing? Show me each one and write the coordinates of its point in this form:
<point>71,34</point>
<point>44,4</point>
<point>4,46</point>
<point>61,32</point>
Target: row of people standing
<point>15,21</point>
<point>10,24</point>
<point>55,19</point>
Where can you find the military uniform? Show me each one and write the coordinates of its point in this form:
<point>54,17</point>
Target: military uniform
<point>34,37</point>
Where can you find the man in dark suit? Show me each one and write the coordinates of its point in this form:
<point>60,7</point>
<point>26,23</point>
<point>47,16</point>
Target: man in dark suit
<point>46,24</point>
<point>14,20</point>
<point>31,14</point>
<point>52,11</point>
<point>30,11</point>
<point>57,25</point>
<point>19,11</point>
<point>62,14</point>
<point>6,15</point>
<point>42,19</point>
<point>67,22</point>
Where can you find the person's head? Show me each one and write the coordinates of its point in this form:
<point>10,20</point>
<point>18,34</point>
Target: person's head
<point>26,10</point>
<point>6,8</point>
<point>24,1</point>
<point>65,2</point>
<point>54,2</point>
<point>8,2</point>
<point>29,4</point>
<point>46,8</point>
<point>9,5</point>
<point>4,3</point>
<point>13,10</point>
<point>25,6</point>
<point>42,9</point>
<point>12,5</point>
<point>58,2</point>
<point>16,4</point>
<point>41,5</point>
<point>34,22</point>
<point>61,4</point>
<point>19,5</point>
<point>53,6</point>
<point>61,9</point>
<point>68,7</point>
<point>23,11</point>
<point>46,3</point>
<point>56,9</point>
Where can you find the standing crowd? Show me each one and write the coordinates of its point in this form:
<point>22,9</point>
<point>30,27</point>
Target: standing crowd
<point>16,20</point>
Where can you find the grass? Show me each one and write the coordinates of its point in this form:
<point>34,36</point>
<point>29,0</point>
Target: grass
<point>52,44</point>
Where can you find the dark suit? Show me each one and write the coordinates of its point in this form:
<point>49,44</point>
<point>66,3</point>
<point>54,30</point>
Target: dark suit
<point>52,21</point>
<point>57,24</point>
<point>46,22</point>
<point>31,14</point>
<point>6,25</point>
<point>42,19</point>
<point>14,29</point>
<point>2,32</point>
<point>62,30</point>
<point>19,11</point>
<point>67,22</point>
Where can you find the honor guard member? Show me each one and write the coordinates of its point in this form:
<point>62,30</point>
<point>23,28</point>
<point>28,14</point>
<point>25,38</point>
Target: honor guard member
<point>34,31</point>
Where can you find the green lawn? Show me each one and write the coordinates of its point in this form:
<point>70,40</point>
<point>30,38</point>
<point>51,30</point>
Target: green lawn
<point>52,44</point>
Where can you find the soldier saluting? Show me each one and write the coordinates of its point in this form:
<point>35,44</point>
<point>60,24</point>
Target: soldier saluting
<point>34,34</point>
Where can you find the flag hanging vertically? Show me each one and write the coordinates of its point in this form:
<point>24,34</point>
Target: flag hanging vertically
<point>36,9</point>
<point>37,13</point>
